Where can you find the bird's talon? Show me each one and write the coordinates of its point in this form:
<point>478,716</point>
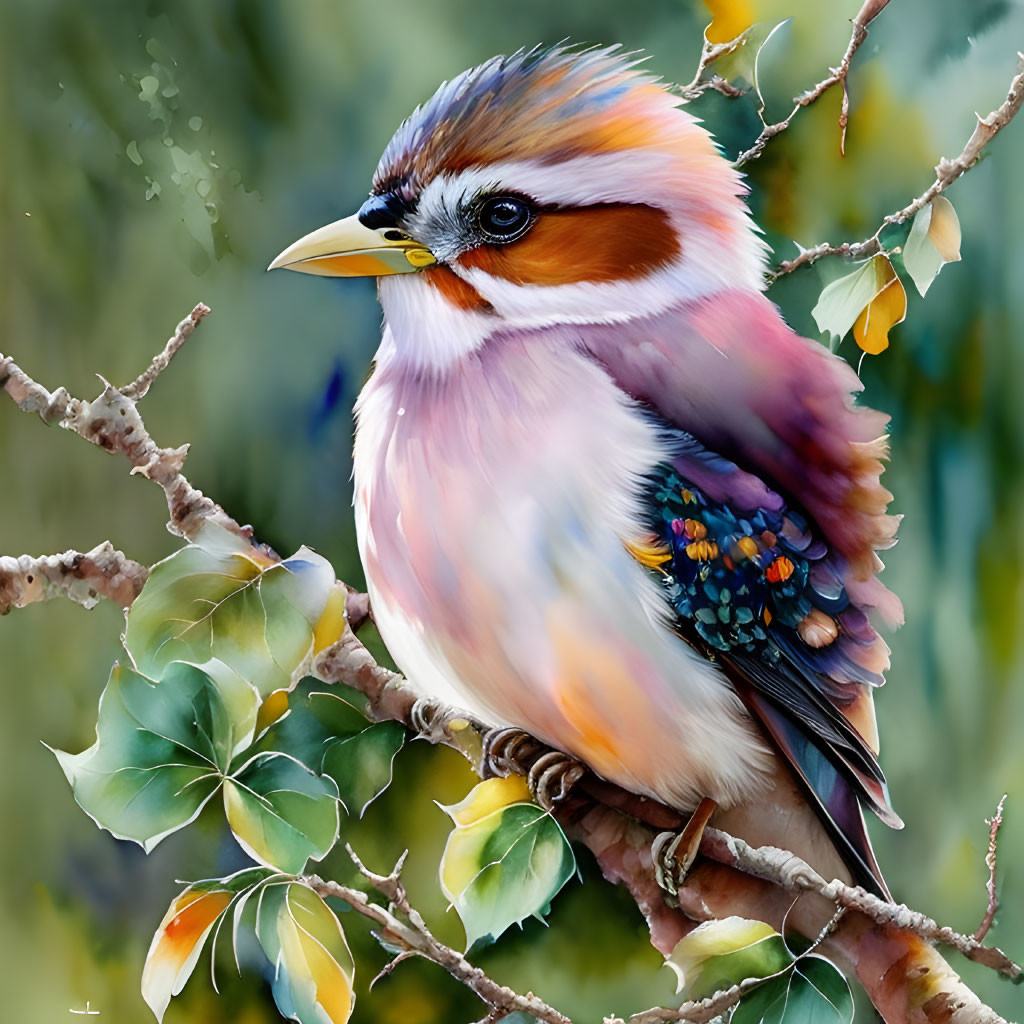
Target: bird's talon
<point>673,853</point>
<point>424,716</point>
<point>552,777</point>
<point>663,855</point>
<point>500,747</point>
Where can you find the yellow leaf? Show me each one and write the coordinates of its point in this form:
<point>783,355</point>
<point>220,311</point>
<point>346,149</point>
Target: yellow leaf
<point>331,623</point>
<point>718,954</point>
<point>273,708</point>
<point>311,939</point>
<point>489,796</point>
<point>884,311</point>
<point>730,18</point>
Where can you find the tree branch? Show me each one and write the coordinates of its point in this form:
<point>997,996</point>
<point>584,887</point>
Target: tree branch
<point>789,872</point>
<point>86,578</point>
<point>112,422</point>
<point>946,172</point>
<point>410,931</point>
<point>868,12</point>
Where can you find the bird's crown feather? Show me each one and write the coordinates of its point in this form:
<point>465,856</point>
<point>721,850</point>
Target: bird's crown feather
<point>543,104</point>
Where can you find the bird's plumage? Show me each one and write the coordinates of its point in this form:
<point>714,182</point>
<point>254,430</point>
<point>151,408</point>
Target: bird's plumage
<point>602,491</point>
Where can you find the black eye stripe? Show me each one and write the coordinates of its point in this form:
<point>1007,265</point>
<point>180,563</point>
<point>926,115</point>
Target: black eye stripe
<point>504,218</point>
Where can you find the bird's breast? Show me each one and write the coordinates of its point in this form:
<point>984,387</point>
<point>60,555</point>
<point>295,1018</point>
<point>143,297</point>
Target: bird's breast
<point>493,508</point>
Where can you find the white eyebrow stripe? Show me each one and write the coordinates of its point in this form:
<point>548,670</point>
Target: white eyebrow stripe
<point>620,177</point>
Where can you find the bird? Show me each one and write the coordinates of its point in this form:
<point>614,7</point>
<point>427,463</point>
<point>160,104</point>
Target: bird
<point>603,493</point>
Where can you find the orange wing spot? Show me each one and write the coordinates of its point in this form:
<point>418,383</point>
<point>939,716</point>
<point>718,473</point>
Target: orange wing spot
<point>649,552</point>
<point>747,548</point>
<point>607,242</point>
<point>459,293</point>
<point>780,570</point>
<point>767,617</point>
<point>687,495</point>
<point>694,529</point>
<point>702,550</point>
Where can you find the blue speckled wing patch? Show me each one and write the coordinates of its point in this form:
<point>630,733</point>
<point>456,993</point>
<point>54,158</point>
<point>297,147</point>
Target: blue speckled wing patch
<point>755,586</point>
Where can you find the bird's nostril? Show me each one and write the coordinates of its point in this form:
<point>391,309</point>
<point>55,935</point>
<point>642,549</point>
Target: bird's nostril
<point>395,236</point>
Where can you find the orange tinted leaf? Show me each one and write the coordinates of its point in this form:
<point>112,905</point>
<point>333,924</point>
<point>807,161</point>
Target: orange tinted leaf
<point>944,229</point>
<point>177,944</point>
<point>934,241</point>
<point>883,312</point>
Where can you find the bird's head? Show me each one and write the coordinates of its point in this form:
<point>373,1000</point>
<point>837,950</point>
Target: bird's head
<point>552,186</point>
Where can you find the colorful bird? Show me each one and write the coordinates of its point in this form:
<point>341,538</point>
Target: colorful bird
<point>603,493</point>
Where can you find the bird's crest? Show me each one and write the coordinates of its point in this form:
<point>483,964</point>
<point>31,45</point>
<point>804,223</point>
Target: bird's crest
<point>543,104</point>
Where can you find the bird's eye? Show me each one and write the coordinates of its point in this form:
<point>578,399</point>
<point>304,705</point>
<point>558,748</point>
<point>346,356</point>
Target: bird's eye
<point>504,218</point>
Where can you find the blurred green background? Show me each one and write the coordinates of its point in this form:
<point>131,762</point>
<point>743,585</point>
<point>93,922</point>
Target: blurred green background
<point>153,154</point>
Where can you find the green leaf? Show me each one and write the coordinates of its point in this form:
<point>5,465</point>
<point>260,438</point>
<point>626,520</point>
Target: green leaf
<point>842,301</point>
<point>159,753</point>
<point>719,954</point>
<point>361,765</point>
<point>504,861</point>
<point>818,994</point>
<point>280,812</point>
<point>304,941</point>
<point>221,598</point>
<point>934,241</point>
<point>814,992</point>
<point>313,719</point>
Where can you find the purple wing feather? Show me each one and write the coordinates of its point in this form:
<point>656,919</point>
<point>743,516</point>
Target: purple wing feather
<point>782,508</point>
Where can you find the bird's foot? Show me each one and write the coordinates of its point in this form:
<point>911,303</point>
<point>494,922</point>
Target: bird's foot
<point>674,852</point>
<point>431,719</point>
<point>502,750</point>
<point>551,775</point>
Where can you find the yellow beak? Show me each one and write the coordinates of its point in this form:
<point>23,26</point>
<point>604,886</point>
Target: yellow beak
<point>347,248</point>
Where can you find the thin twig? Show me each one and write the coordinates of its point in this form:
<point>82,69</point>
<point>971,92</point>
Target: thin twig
<point>112,421</point>
<point>138,387</point>
<point>994,824</point>
<point>415,936</point>
<point>867,14</point>
<point>84,578</point>
<point>710,52</point>
<point>946,172</point>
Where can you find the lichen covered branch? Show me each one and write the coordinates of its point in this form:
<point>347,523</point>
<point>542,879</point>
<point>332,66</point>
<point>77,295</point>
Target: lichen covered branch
<point>138,387</point>
<point>86,578</point>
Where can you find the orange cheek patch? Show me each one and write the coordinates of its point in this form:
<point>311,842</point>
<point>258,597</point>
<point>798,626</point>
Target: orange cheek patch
<point>596,243</point>
<point>458,292</point>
